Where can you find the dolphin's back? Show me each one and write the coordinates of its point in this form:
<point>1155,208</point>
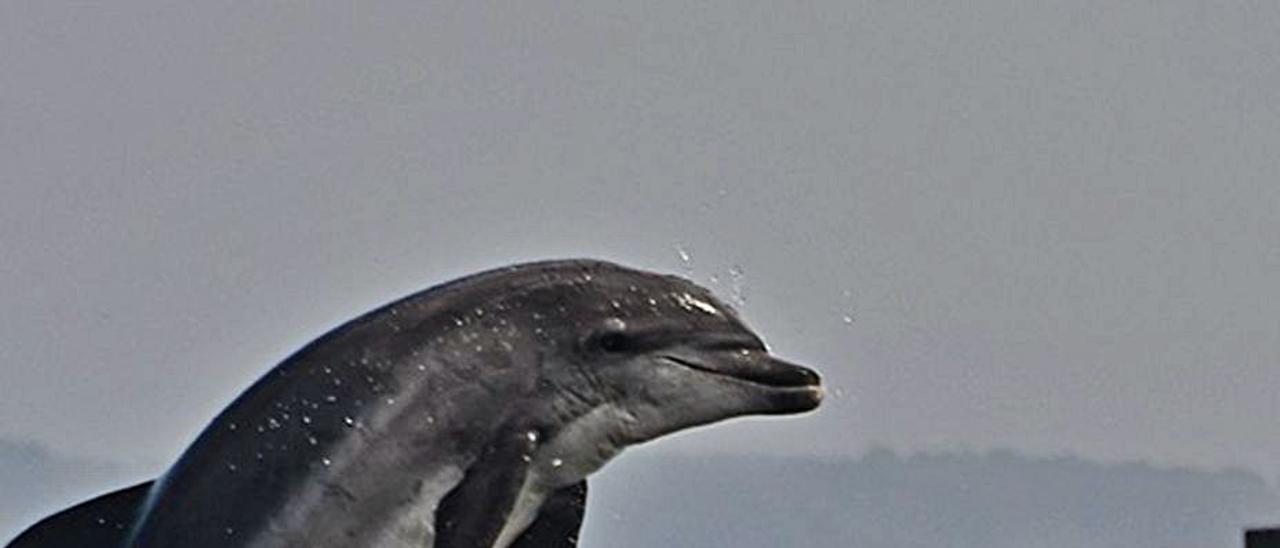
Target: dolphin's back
<point>103,521</point>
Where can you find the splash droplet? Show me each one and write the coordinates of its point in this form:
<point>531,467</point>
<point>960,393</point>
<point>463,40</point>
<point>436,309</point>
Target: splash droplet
<point>348,421</point>
<point>737,285</point>
<point>686,260</point>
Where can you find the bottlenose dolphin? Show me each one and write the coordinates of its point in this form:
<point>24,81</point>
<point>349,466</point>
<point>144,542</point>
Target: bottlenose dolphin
<point>467,415</point>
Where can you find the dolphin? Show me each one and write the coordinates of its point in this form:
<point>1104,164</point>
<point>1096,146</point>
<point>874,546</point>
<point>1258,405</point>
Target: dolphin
<point>468,415</point>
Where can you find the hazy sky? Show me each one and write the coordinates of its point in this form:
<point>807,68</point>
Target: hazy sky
<point>1056,225</point>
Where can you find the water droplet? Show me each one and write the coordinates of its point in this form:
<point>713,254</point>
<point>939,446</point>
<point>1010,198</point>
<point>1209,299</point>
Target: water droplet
<point>331,398</point>
<point>325,461</point>
<point>231,426</point>
<point>531,435</point>
<point>556,463</point>
<point>688,302</point>
<point>230,531</point>
<point>737,285</point>
<point>422,367</point>
<point>231,467</point>
<point>348,421</point>
<point>102,521</point>
<point>258,456</point>
<point>312,440</point>
<point>526,458</point>
<point>457,321</point>
<point>272,423</point>
<point>306,419</point>
<point>684,254</point>
<point>847,317</point>
<point>391,401</point>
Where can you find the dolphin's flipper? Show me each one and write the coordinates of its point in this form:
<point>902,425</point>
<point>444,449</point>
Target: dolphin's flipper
<point>558,522</point>
<point>101,522</point>
<point>492,484</point>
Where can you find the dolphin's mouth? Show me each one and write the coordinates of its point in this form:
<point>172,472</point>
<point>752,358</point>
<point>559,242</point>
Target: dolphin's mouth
<point>766,372</point>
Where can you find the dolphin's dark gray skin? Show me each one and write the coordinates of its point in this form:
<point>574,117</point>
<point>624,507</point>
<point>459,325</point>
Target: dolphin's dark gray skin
<point>468,415</point>
<point>101,521</point>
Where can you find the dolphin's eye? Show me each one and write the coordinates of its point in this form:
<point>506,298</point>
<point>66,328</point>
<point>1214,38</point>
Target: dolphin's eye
<point>614,342</point>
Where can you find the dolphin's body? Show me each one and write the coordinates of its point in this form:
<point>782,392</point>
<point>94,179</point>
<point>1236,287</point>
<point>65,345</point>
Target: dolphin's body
<point>467,415</point>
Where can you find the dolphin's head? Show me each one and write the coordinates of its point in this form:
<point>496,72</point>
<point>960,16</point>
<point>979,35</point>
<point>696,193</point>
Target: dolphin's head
<point>638,355</point>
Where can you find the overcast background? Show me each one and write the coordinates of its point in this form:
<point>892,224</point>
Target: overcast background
<point>1047,227</point>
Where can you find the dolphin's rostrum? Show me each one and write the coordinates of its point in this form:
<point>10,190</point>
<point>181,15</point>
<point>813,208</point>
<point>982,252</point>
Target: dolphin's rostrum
<point>467,415</point>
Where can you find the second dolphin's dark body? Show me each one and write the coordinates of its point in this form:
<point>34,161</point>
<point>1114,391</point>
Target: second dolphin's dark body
<point>465,416</point>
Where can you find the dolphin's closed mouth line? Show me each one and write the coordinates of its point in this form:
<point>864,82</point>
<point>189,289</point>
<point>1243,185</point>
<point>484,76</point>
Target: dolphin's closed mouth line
<point>780,384</point>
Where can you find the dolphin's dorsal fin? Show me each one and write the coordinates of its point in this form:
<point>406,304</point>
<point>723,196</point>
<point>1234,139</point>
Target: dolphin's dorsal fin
<point>100,522</point>
<point>558,521</point>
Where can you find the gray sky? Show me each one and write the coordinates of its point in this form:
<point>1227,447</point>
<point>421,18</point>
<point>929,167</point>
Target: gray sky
<point>1056,224</point>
